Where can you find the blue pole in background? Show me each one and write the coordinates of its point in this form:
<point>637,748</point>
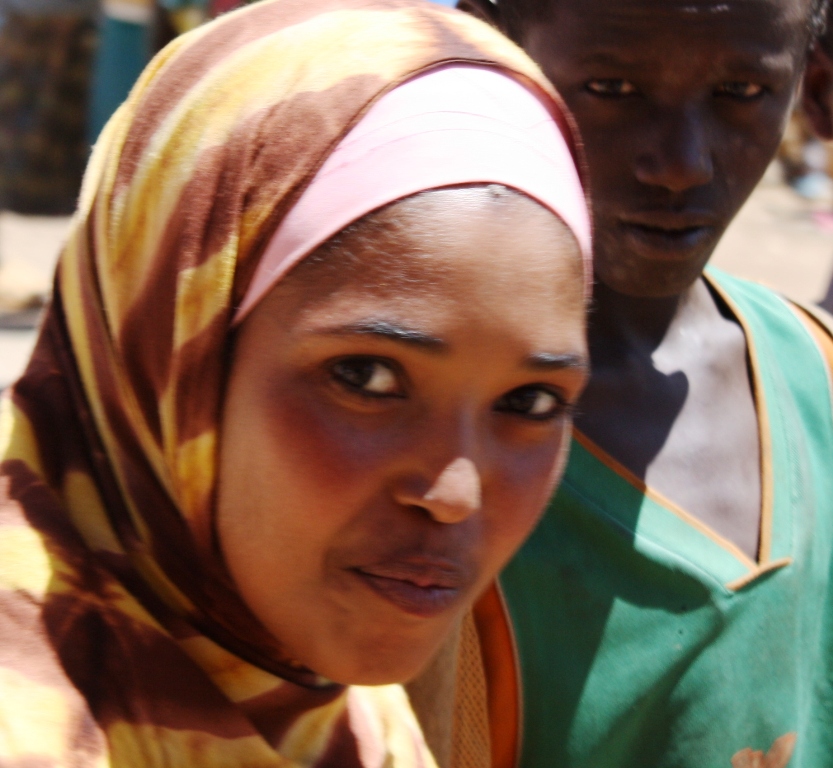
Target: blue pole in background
<point>123,51</point>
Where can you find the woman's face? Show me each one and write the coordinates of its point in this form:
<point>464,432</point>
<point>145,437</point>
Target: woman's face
<point>395,421</point>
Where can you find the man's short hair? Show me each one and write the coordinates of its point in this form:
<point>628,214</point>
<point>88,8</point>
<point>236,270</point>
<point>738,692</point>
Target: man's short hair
<point>517,13</point>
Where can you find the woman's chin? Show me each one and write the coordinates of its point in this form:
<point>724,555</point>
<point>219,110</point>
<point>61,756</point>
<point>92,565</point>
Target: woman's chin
<point>378,672</point>
<point>386,664</point>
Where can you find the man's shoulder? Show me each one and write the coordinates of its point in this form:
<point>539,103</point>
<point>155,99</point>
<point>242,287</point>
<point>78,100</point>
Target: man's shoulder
<point>742,287</point>
<point>815,317</point>
<point>762,309</point>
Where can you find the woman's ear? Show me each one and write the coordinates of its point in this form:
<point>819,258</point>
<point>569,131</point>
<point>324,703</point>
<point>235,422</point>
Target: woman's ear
<point>485,10</point>
<point>817,97</point>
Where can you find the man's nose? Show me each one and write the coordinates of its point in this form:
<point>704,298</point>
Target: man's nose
<point>454,495</point>
<point>677,154</point>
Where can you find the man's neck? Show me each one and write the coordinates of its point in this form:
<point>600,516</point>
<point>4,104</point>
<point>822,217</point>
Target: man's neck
<point>670,398</point>
<point>625,328</point>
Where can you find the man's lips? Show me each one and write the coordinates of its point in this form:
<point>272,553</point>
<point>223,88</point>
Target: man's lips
<point>420,587</point>
<point>668,233</point>
<point>670,220</point>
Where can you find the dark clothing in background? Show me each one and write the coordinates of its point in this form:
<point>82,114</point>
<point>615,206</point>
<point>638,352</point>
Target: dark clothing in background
<point>45,63</point>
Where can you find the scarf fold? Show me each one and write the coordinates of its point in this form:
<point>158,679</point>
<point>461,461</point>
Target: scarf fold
<point>123,641</point>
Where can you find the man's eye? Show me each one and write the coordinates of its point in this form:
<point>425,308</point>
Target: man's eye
<point>368,375</point>
<point>533,403</point>
<point>610,87</point>
<point>739,89</point>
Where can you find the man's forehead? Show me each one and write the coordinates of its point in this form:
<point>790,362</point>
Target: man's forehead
<point>760,26</point>
<point>682,11</point>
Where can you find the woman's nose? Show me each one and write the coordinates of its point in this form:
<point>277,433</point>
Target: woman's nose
<point>454,495</point>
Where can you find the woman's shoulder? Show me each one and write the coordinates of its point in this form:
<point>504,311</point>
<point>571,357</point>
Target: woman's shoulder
<point>41,712</point>
<point>43,716</point>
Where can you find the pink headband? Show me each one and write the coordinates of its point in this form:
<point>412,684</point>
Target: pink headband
<point>452,125</point>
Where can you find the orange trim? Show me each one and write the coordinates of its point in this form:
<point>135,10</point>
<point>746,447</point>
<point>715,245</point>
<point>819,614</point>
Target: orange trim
<point>500,662</point>
<point>764,432</point>
<point>774,565</point>
<point>819,332</point>
<point>621,470</point>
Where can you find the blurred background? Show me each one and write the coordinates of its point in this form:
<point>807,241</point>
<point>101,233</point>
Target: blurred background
<point>67,65</point>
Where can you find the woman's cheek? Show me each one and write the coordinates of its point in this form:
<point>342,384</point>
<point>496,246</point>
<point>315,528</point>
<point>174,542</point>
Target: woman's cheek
<point>333,449</point>
<point>523,487</point>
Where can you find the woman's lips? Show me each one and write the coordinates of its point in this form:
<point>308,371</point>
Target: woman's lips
<point>421,589</point>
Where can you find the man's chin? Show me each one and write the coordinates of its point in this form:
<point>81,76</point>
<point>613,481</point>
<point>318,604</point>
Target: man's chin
<point>644,279</point>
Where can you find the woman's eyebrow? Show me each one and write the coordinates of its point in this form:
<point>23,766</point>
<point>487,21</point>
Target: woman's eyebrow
<point>548,361</point>
<point>388,330</point>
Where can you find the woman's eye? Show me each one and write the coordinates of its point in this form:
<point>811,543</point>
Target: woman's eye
<point>533,403</point>
<point>738,89</point>
<point>610,87</point>
<point>369,376</point>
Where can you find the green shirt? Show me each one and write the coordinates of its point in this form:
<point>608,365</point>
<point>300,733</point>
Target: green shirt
<point>645,639</point>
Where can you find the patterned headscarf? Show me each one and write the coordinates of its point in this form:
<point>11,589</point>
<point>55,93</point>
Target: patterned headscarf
<point>122,638</point>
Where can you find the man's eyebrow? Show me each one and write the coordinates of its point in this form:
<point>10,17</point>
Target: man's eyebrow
<point>547,361</point>
<point>753,61</point>
<point>388,330</point>
<point>609,58</point>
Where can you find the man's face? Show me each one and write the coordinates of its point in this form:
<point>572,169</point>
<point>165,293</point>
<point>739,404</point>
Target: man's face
<point>681,105</point>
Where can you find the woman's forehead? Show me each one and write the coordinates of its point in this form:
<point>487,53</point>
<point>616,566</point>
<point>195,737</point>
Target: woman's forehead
<point>438,264</point>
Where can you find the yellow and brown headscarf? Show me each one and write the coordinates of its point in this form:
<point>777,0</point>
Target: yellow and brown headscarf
<point>122,640</point>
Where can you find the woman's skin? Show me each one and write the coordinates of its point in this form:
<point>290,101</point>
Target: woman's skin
<point>397,415</point>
